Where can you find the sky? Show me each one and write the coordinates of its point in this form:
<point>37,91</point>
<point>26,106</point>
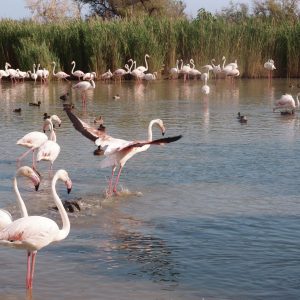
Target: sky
<point>15,9</point>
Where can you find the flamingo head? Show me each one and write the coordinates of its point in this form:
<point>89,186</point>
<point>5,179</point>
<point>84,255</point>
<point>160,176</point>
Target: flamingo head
<point>160,124</point>
<point>64,176</point>
<point>31,174</point>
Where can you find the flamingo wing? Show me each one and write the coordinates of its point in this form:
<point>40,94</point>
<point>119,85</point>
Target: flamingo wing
<point>90,132</point>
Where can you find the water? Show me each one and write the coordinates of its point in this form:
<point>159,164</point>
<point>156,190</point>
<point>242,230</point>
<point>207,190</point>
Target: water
<point>214,215</point>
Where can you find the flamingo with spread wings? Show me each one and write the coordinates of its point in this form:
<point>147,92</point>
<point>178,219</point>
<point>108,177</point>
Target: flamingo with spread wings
<point>118,151</point>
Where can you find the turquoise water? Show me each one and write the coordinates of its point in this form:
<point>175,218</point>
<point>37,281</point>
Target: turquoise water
<point>214,215</point>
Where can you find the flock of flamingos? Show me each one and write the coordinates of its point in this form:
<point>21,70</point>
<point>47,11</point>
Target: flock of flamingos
<point>32,233</point>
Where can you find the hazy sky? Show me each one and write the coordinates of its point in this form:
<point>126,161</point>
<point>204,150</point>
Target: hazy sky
<point>15,9</point>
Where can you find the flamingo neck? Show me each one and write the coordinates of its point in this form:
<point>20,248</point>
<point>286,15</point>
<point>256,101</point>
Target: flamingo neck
<point>63,233</point>
<point>297,100</point>
<point>224,60</point>
<point>146,63</point>
<point>73,67</point>
<point>93,83</point>
<point>54,64</point>
<point>52,136</point>
<point>20,201</point>
<point>150,135</point>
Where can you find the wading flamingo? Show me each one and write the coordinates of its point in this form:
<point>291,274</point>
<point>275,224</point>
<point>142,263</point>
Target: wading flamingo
<point>83,86</point>
<point>5,216</point>
<point>77,73</point>
<point>119,73</point>
<point>32,233</point>
<point>205,88</point>
<point>286,104</point>
<point>269,65</point>
<point>142,68</point>
<point>174,71</point>
<point>118,151</point>
<point>31,140</point>
<point>49,150</point>
<point>60,74</point>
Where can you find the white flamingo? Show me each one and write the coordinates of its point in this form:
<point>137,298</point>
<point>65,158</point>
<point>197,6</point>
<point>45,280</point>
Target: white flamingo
<point>83,86</point>
<point>107,75</point>
<point>49,150</point>
<point>287,104</point>
<point>269,65</point>
<point>184,69</point>
<point>77,73</point>
<point>118,151</point>
<point>142,68</point>
<point>174,71</point>
<point>5,216</point>
<point>205,88</point>
<point>193,71</point>
<point>33,233</point>
<point>31,140</point>
<point>89,76</point>
<point>216,68</point>
<point>150,76</point>
<point>119,73</point>
<point>60,74</point>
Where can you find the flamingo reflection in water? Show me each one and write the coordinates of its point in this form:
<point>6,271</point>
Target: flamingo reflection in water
<point>118,151</point>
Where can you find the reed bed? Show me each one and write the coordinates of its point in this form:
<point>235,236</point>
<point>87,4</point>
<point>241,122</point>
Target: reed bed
<point>98,45</point>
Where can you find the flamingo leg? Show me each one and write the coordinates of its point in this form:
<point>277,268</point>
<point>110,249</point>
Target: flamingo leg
<point>23,155</point>
<point>28,271</point>
<point>33,255</point>
<point>111,180</point>
<point>117,180</point>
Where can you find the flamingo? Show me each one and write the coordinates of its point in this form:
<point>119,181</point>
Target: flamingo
<point>31,140</point>
<point>89,76</point>
<point>83,86</point>
<point>205,88</point>
<point>77,73</point>
<point>40,73</point>
<point>5,216</point>
<point>230,69</point>
<point>33,233</point>
<point>142,68</point>
<point>269,65</point>
<point>33,75</point>
<point>118,151</point>
<point>54,119</point>
<point>194,72</point>
<point>119,73</point>
<point>184,69</point>
<point>12,73</point>
<point>107,75</point>
<point>60,74</point>
<point>287,104</point>
<point>174,71</point>
<point>49,150</point>
<point>216,68</point>
<point>150,76</point>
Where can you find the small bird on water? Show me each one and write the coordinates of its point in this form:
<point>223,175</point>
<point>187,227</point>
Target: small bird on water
<point>65,96</point>
<point>241,118</point>
<point>17,110</point>
<point>35,103</point>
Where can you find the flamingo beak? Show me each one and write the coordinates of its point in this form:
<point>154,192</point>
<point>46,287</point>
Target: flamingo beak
<point>69,185</point>
<point>37,186</point>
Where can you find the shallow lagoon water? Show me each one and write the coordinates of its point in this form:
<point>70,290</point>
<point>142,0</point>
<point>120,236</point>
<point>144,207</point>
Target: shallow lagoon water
<point>214,215</point>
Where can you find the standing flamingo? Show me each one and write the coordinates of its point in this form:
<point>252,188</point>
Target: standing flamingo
<point>77,73</point>
<point>205,88</point>
<point>174,71</point>
<point>49,150</point>
<point>31,140</point>
<point>32,233</point>
<point>142,68</point>
<point>118,151</point>
<point>269,65</point>
<point>60,74</point>
<point>5,216</point>
<point>83,86</point>
<point>286,104</point>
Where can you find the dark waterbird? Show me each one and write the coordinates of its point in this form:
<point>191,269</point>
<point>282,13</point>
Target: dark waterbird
<point>35,103</point>
<point>17,110</point>
<point>65,96</point>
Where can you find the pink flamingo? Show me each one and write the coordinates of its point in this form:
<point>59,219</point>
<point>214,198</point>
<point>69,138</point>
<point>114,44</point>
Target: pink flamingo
<point>77,73</point>
<point>60,74</point>
<point>118,151</point>
<point>287,104</point>
<point>33,233</point>
<point>31,140</point>
<point>83,86</point>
